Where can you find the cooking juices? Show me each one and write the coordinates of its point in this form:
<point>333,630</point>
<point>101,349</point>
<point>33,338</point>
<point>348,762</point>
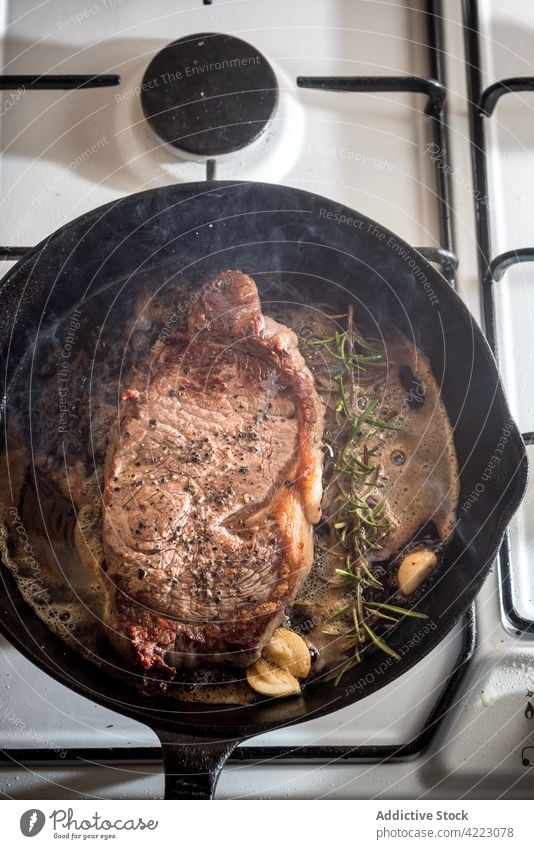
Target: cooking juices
<point>390,443</point>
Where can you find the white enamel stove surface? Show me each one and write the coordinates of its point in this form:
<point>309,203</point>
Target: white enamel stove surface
<point>66,152</point>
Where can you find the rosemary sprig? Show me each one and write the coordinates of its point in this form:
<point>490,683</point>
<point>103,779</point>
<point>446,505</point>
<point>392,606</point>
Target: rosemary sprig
<point>353,661</point>
<point>393,608</point>
<point>378,641</point>
<point>361,525</point>
<point>347,574</point>
<point>335,614</point>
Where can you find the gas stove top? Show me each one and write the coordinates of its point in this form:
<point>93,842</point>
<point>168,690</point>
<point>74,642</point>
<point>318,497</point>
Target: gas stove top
<point>385,108</point>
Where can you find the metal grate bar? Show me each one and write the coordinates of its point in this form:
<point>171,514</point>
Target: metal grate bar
<point>433,89</point>
<point>501,263</point>
<point>9,253</point>
<point>211,169</point>
<point>493,93</point>
<point>479,163</point>
<point>50,82</point>
<point>440,129</point>
<point>446,259</point>
<point>481,105</point>
<point>56,82</point>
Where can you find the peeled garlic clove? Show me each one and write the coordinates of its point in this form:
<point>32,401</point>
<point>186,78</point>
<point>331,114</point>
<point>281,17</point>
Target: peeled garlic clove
<point>288,651</point>
<point>271,681</point>
<point>414,568</point>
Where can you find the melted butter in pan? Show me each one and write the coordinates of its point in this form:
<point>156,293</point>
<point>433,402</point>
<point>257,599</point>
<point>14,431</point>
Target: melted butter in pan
<point>50,506</point>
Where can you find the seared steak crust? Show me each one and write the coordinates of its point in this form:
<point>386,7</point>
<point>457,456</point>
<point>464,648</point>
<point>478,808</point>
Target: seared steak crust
<point>213,482</point>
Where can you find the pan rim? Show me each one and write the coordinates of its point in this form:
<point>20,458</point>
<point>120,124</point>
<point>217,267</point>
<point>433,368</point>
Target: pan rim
<point>189,191</point>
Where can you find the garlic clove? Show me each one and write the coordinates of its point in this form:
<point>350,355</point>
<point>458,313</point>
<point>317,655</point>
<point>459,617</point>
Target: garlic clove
<point>413,570</point>
<point>270,680</point>
<point>288,651</point>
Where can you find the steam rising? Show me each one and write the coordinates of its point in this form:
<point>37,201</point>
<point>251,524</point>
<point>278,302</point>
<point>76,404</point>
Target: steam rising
<point>64,401</point>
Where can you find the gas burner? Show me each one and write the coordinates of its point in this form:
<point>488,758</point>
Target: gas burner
<point>209,94</point>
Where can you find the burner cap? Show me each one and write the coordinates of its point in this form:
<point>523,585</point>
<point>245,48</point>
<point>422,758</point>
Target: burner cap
<point>209,94</point>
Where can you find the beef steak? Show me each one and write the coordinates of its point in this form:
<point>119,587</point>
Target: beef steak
<point>213,483</point>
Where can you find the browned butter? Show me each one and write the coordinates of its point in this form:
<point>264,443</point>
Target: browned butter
<point>50,496</point>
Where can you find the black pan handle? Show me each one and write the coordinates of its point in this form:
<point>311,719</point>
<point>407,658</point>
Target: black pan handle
<point>192,764</point>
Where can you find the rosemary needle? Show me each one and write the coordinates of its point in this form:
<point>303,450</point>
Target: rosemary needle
<point>353,661</point>
<point>403,611</point>
<point>378,641</point>
<point>337,613</point>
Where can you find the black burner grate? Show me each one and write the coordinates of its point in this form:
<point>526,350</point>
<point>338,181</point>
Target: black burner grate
<point>435,90</point>
<point>491,269</point>
<point>325,754</point>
